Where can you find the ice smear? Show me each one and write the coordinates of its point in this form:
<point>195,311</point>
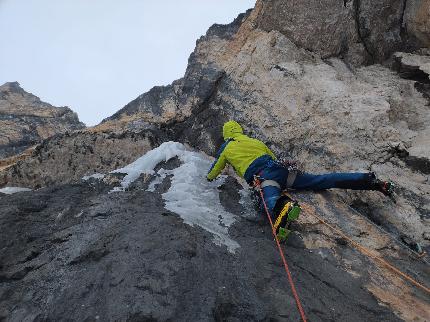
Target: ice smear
<point>148,162</point>
<point>190,195</point>
<point>11,190</point>
<point>197,201</point>
<point>97,176</point>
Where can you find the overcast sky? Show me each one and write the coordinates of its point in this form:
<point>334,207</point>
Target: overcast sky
<point>95,56</point>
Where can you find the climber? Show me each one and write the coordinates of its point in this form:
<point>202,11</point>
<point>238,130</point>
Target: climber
<point>251,157</point>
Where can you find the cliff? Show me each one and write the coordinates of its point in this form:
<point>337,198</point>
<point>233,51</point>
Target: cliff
<point>25,120</point>
<point>338,85</point>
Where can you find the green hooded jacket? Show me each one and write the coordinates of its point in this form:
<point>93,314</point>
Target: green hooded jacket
<point>238,150</point>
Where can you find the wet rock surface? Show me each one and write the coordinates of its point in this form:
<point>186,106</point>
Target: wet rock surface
<point>25,120</point>
<point>77,251</point>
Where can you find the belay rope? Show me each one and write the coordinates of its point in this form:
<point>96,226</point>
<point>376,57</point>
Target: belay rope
<point>308,209</point>
<point>365,251</point>
<point>257,184</point>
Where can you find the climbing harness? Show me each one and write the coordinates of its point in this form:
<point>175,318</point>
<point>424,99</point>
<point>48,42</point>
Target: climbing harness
<point>289,212</point>
<point>290,165</point>
<point>309,211</point>
<point>257,184</point>
<point>271,183</point>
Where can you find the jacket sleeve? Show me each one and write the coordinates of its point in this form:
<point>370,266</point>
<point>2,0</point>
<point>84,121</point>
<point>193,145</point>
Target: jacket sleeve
<point>219,163</point>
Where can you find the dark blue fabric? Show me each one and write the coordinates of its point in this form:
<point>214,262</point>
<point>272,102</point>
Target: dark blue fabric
<point>256,166</point>
<point>355,181</point>
<point>221,149</point>
<point>275,172</point>
<point>307,181</point>
<point>271,196</point>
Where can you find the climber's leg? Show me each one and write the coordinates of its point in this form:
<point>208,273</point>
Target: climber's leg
<point>355,181</point>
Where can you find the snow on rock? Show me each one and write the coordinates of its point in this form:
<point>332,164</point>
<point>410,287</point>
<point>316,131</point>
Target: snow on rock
<point>247,202</point>
<point>11,190</point>
<point>190,195</point>
<point>148,162</point>
<point>197,201</point>
<point>97,176</point>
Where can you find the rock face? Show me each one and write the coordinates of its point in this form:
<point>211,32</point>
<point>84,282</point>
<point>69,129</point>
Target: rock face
<point>322,112</point>
<point>87,254</point>
<point>69,157</point>
<point>361,31</point>
<point>417,17</point>
<point>25,120</point>
<point>303,79</point>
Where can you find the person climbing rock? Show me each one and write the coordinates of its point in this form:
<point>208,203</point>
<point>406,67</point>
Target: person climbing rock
<point>251,158</point>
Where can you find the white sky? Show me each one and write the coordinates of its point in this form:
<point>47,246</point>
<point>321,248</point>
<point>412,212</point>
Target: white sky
<point>95,56</point>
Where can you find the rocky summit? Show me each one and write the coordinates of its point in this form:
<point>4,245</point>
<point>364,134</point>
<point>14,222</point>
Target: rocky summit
<point>25,120</point>
<point>121,224</point>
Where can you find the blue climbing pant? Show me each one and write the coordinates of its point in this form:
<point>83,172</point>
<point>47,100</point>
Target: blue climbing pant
<point>307,181</point>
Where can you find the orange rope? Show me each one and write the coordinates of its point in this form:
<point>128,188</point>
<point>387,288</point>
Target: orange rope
<point>290,279</point>
<point>364,250</point>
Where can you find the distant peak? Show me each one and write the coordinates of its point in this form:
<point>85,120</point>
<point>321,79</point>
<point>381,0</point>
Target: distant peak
<point>11,86</point>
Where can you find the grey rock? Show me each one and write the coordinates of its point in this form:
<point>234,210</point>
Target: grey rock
<point>129,262</point>
<point>135,260</point>
<point>69,157</point>
<point>320,111</point>
<point>25,120</point>
<point>326,27</point>
<point>417,21</point>
<point>361,31</point>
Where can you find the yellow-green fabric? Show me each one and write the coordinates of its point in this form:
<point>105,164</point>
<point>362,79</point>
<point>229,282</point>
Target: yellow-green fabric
<point>239,152</point>
<point>230,129</point>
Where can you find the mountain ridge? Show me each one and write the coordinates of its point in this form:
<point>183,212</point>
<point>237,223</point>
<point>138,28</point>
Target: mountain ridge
<point>26,120</point>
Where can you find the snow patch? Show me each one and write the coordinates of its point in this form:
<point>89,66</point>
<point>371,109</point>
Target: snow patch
<point>190,195</point>
<point>97,176</point>
<point>148,162</point>
<point>11,190</point>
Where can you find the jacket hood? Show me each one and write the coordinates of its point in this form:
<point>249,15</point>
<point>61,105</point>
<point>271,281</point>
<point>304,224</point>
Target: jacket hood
<point>231,129</point>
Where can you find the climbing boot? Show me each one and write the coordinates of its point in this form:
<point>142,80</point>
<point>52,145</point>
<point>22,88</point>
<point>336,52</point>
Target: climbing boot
<point>286,211</point>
